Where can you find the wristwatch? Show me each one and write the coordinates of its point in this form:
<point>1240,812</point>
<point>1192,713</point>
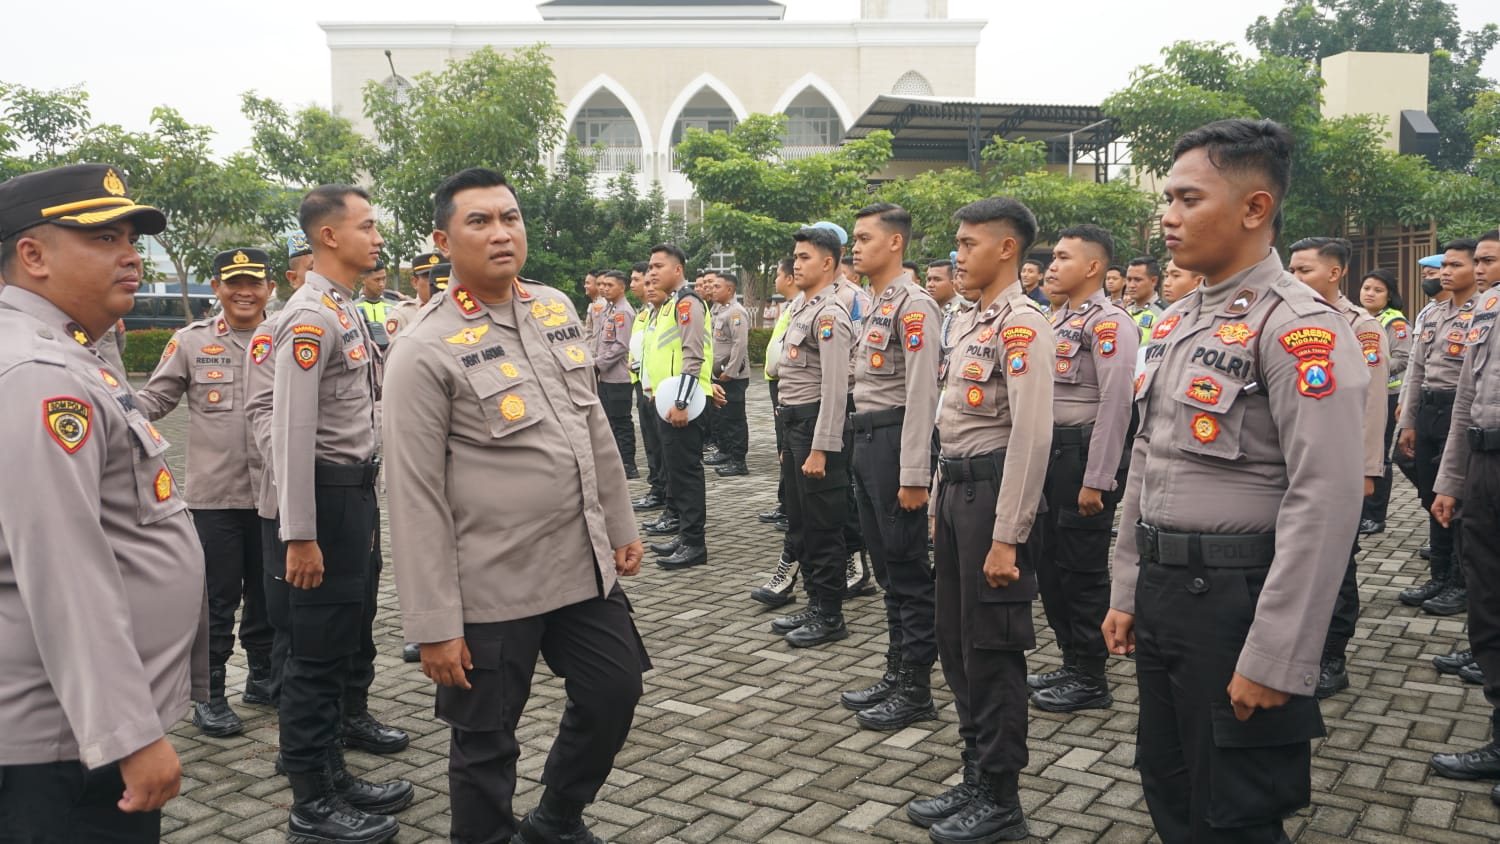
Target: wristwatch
<point>681,405</point>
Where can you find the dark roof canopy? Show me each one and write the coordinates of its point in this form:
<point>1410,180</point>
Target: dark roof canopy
<point>936,129</point>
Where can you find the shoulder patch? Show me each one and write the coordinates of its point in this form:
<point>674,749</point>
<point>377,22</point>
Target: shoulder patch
<point>1017,335</point>
<point>1313,347</point>
<point>1369,342</point>
<point>684,311</point>
<point>260,348</point>
<point>825,327</point>
<point>911,328</point>
<point>305,351</point>
<point>308,328</point>
<point>1166,326</point>
<point>170,349</point>
<point>465,301</point>
<point>68,421</point>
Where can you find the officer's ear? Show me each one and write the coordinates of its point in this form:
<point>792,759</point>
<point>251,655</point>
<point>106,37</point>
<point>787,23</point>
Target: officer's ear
<point>440,241</point>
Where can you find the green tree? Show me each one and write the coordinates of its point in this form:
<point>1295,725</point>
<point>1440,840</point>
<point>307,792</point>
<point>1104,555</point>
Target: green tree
<point>310,147</point>
<point>209,204</point>
<point>484,110</point>
<point>1311,30</point>
<point>37,127</point>
<point>756,201</point>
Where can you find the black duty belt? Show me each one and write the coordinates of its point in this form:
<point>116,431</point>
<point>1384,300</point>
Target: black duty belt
<point>346,474</point>
<point>1204,550</point>
<point>980,467</point>
<point>888,418</point>
<point>1441,398</point>
<point>1484,439</point>
<point>1072,435</point>
<point>792,413</point>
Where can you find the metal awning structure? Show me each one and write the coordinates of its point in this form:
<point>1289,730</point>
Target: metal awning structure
<point>937,129</point>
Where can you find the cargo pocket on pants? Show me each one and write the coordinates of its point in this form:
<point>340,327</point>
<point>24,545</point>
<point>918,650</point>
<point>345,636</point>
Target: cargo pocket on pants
<point>1002,617</point>
<point>1260,769</point>
<point>480,708</point>
<point>326,620</point>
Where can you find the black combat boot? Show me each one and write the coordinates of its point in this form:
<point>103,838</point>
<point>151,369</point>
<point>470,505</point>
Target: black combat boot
<point>883,688</point>
<point>827,627</point>
<point>926,812</point>
<point>555,821</point>
<point>258,685</point>
<point>1333,677</point>
<point>1086,689</point>
<point>214,717</point>
<point>321,816</point>
<point>1452,600</point>
<point>1037,682</point>
<point>787,623</point>
<point>733,468</point>
<point>1419,595</point>
<point>361,731</point>
<point>857,576</point>
<point>781,589</point>
<point>911,703</point>
<point>384,798</point>
<point>1472,674</point>
<point>1451,663</point>
<point>993,815</point>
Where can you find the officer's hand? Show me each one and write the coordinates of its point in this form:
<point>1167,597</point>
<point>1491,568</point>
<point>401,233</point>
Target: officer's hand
<point>1369,487</point>
<point>628,559</point>
<point>1090,502</point>
<point>153,775</point>
<point>445,662</point>
<point>1444,507</point>
<point>304,564</point>
<point>677,417</point>
<point>912,497</point>
<point>1119,632</point>
<point>1408,443</point>
<point>1246,696</point>
<point>815,466</point>
<point>1000,565</point>
<point>719,398</point>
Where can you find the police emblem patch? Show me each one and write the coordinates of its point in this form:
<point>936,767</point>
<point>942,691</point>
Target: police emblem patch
<point>214,375</point>
<point>986,334</point>
<point>1235,333</point>
<point>684,312</point>
<point>885,310</point>
<point>1064,347</point>
<point>169,350</point>
<point>163,485</point>
<point>1369,342</point>
<point>109,378</point>
<point>792,353</point>
<point>1205,428</point>
<point>974,396</point>
<point>1064,366</point>
<point>469,336</point>
<point>213,350</point>
<point>1166,327</point>
<point>1017,335</point>
<point>877,360</point>
<point>512,407</point>
<point>214,397</point>
<point>509,370</point>
<point>1015,361</point>
<point>825,328</point>
<point>911,325</point>
<point>973,371</point>
<point>1314,348</point>
<point>260,348</point>
<point>68,421</point>
<point>1205,390</point>
<point>574,354</point>
<point>391,325</point>
<point>357,353</point>
<point>305,351</point>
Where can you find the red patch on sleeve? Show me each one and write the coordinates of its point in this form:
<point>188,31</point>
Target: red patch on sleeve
<point>911,325</point>
<point>306,351</point>
<point>684,312</point>
<point>1313,347</point>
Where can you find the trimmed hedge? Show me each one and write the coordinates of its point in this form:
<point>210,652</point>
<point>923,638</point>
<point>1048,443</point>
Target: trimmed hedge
<point>143,348</point>
<point>759,337</point>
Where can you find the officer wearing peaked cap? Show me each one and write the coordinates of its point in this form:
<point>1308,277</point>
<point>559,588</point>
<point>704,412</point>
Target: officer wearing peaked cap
<point>402,314</point>
<point>101,575</point>
<point>208,363</point>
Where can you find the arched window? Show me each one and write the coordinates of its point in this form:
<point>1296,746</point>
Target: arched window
<point>706,110</point>
<point>400,87</point>
<point>912,84</point>
<point>812,121</point>
<point>605,121</point>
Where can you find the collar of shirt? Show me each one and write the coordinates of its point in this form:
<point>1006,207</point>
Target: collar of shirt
<point>1235,295</point>
<point>33,305</point>
<point>324,284</point>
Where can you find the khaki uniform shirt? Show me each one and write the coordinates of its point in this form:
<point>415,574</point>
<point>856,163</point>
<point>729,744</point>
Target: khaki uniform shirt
<point>209,362</point>
<point>323,403</point>
<point>398,317</point>
<point>1438,355</point>
<point>1248,391</point>
<point>612,342</point>
<point>1093,381</point>
<point>111,347</point>
<point>101,573</point>
<point>814,364</point>
<point>998,395</point>
<point>732,342</point>
<point>507,495</point>
<point>1478,401</point>
<point>592,318</point>
<point>896,359</point>
<point>260,385</point>
<point>1377,354</point>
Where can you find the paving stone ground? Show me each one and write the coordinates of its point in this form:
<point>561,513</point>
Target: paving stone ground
<point>739,738</point>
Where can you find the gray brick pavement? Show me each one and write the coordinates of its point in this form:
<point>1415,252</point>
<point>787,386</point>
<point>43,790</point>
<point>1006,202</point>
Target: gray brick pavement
<point>740,738</point>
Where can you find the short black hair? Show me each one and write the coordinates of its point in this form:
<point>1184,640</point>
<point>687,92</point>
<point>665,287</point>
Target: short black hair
<point>847,260</point>
<point>1097,235</point>
<point>941,263</point>
<point>378,268</point>
<point>640,267</point>
<point>1114,268</point>
<point>597,272</point>
<point>731,278</point>
<point>1153,269</point>
<point>1462,244</point>
<point>1388,278</point>
<point>672,250</point>
<point>1002,209</point>
<point>892,216</point>
<point>821,238</point>
<point>325,201</point>
<point>911,265</point>
<point>1336,248</point>
<point>1492,234</point>
<point>614,274</point>
<point>474,177</point>
<point>1035,262</point>
<point>787,266</point>
<point>1240,146</point>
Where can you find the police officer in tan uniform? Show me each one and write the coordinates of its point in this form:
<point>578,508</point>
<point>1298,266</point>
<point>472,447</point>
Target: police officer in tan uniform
<point>496,382</point>
<point>896,360</point>
<point>1241,505</point>
<point>995,426</point>
<point>1469,478</point>
<point>101,575</point>
<point>611,349</point>
<point>323,454</point>
<point>1430,385</point>
<point>813,389</point>
<point>402,313</point>
<point>1321,264</point>
<point>208,362</point>
<point>1092,399</point>
<point>732,373</point>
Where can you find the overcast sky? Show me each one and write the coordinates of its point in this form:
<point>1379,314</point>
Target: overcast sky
<point>200,56</point>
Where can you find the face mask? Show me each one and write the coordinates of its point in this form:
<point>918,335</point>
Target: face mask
<point>1432,286</point>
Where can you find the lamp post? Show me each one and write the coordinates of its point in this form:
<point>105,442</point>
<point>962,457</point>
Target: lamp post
<point>396,95</point>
